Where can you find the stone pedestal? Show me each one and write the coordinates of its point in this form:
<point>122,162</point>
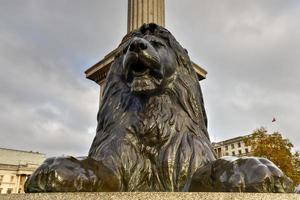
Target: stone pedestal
<point>145,11</point>
<point>151,195</point>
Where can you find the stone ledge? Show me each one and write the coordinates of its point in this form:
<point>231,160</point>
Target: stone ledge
<point>151,195</point>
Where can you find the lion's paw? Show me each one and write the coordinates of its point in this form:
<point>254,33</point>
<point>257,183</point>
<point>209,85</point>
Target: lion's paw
<point>251,174</point>
<point>245,174</point>
<point>61,174</point>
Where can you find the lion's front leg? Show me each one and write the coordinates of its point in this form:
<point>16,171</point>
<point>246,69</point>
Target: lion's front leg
<point>68,174</point>
<point>246,174</point>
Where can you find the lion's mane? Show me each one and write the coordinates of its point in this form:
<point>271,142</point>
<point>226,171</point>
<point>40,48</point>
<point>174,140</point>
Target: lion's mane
<point>154,143</point>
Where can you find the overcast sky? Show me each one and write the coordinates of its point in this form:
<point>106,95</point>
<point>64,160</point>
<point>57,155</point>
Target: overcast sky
<point>251,50</point>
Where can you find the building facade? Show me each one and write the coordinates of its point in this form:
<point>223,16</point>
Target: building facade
<point>15,167</point>
<point>232,147</point>
<point>298,189</point>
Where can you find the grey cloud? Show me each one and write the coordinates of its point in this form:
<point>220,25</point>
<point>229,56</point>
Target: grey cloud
<point>42,108</point>
<point>250,50</point>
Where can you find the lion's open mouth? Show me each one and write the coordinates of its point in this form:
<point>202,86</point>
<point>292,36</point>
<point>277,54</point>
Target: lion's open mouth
<point>139,69</point>
<point>141,76</point>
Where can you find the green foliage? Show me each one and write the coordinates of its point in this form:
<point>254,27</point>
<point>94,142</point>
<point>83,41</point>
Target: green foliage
<point>277,149</point>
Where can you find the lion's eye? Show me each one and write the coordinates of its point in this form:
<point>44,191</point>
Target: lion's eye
<point>157,43</point>
<point>125,49</point>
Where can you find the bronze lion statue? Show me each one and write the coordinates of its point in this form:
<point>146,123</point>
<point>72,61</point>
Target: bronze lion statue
<point>152,132</point>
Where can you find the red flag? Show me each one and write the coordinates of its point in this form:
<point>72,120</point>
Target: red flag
<point>273,120</point>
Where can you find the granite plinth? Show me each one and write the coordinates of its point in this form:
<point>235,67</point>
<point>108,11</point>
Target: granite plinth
<point>151,195</point>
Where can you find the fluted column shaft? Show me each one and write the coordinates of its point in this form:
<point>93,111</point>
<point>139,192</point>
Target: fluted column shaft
<point>145,11</point>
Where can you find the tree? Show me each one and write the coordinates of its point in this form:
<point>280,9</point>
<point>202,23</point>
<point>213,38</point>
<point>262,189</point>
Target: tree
<point>277,149</point>
<point>296,163</point>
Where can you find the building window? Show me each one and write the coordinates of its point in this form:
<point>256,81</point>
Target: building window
<point>239,145</point>
<point>233,153</point>
<point>246,150</point>
<point>226,154</point>
<point>226,147</point>
<point>0,190</point>
<point>1,178</point>
<point>219,152</point>
<point>240,152</point>
<point>12,179</point>
<point>9,190</point>
<point>232,146</point>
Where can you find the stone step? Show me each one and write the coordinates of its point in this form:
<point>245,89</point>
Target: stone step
<point>151,195</point>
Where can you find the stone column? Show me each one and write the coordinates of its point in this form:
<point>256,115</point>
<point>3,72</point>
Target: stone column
<point>145,11</point>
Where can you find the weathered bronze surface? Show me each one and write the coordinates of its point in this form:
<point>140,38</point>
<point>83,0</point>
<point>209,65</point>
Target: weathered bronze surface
<point>152,132</point>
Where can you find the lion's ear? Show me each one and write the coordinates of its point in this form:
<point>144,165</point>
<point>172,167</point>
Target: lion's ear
<point>186,51</point>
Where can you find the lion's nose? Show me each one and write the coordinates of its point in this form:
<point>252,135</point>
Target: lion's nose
<point>137,45</point>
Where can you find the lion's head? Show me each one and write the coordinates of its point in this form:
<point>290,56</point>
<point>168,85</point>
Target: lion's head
<point>149,62</point>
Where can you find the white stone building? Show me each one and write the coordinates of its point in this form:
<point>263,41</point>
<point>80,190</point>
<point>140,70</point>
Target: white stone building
<point>232,147</point>
<point>15,167</point>
<point>298,189</point>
